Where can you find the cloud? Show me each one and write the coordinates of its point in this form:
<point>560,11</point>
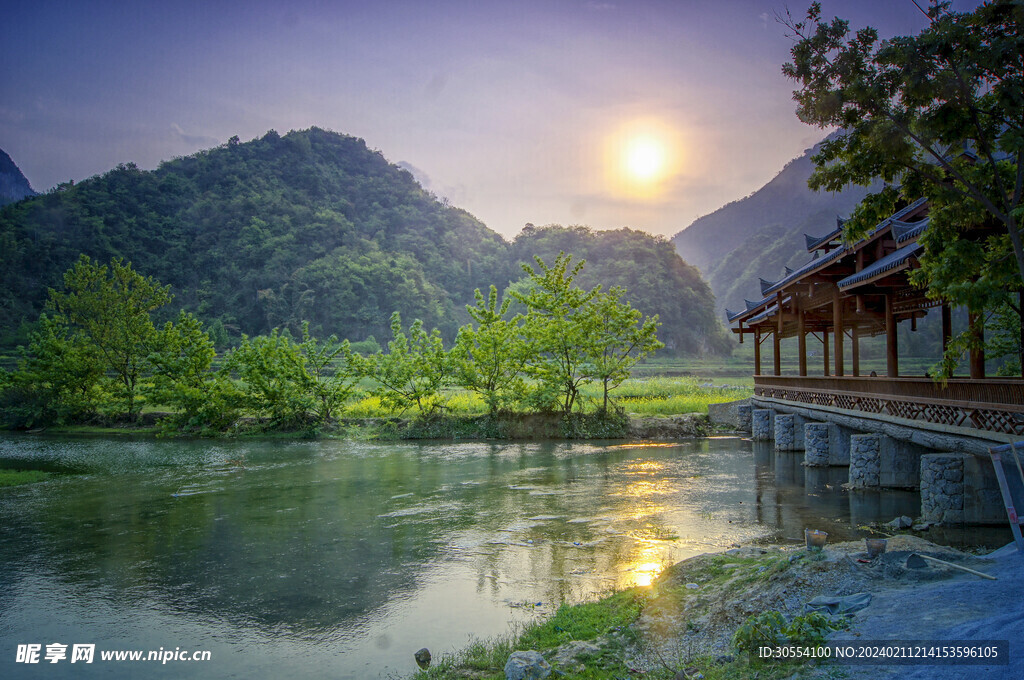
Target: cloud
<point>193,140</point>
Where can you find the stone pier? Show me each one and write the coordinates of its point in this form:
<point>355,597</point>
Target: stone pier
<point>942,487</point>
<point>761,424</point>
<point>877,461</point>
<point>743,416</point>
<point>789,432</point>
<point>816,444</point>
<point>865,460</point>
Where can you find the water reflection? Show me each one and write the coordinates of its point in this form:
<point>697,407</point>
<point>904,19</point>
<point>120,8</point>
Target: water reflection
<point>341,558</point>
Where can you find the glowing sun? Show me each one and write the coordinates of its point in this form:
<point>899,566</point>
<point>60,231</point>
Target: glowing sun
<point>642,157</point>
<point>645,159</point>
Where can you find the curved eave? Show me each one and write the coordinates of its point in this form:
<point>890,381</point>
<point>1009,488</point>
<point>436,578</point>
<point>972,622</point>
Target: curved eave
<point>891,262</point>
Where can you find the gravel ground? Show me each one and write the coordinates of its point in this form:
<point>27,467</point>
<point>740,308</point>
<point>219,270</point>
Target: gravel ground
<point>932,603</point>
<point>955,606</point>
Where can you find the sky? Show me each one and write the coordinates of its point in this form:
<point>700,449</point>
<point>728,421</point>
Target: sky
<point>608,113</point>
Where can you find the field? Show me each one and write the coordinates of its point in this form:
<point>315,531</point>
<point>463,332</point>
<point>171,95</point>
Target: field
<point>651,396</point>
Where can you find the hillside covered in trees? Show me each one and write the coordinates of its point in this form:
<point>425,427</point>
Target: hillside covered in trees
<point>315,226</point>
<point>758,236</point>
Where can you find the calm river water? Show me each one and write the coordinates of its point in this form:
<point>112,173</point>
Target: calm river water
<point>339,559</point>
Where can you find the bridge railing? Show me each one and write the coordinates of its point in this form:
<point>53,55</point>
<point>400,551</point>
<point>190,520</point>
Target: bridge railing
<point>995,404</point>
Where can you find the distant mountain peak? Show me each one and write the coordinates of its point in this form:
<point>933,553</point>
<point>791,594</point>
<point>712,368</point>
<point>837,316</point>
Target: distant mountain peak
<point>13,184</point>
<point>759,236</point>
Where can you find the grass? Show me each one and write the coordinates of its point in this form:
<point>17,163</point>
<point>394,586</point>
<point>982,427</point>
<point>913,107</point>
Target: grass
<point>18,477</point>
<point>607,623</point>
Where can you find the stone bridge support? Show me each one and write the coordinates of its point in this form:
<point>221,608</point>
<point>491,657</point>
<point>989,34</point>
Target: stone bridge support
<point>762,424</point>
<point>789,432</point>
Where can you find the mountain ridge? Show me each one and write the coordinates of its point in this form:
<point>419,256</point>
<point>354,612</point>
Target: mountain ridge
<point>757,236</point>
<point>312,226</point>
<point>14,186</point>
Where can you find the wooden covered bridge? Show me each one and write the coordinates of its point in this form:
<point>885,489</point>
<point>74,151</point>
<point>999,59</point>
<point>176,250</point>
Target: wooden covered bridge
<point>848,292</point>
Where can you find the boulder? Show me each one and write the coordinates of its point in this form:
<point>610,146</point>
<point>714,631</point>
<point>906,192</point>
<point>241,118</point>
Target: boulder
<point>571,651</point>
<point>526,666</point>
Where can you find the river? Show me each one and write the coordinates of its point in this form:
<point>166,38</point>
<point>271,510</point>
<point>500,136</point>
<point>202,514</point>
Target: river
<point>339,559</point>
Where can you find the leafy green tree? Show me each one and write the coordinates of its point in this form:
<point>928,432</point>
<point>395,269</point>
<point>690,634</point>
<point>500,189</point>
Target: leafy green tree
<point>623,338</point>
<point>109,308</point>
<point>560,329</point>
<point>274,378</point>
<point>412,372</point>
<point>58,378</point>
<point>491,357</point>
<point>182,377</point>
<point>330,373</point>
<point>940,115</point>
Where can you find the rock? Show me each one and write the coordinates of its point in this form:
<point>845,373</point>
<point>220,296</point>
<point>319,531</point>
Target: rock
<point>923,526</point>
<point>526,666</point>
<point>727,413</point>
<point>569,652</point>
<point>671,427</point>
<point>422,658</point>
<point>902,522</point>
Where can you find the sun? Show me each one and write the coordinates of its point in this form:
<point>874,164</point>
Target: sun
<point>645,158</point>
<point>642,157</point>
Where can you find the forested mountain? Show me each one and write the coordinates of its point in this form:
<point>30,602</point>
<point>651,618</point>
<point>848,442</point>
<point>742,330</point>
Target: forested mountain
<point>13,184</point>
<point>658,280</point>
<point>313,226</point>
<point>757,236</point>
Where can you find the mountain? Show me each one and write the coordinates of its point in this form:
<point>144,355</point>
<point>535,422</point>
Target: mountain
<point>757,236</point>
<point>13,185</point>
<point>658,280</point>
<point>312,225</point>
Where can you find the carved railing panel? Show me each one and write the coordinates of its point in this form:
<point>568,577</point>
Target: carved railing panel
<point>990,405</point>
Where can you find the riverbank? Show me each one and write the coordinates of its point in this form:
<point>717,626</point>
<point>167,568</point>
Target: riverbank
<point>503,426</point>
<point>683,625</point>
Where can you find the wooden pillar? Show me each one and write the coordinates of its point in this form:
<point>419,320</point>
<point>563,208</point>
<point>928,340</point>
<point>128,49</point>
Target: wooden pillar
<point>892,354</point>
<point>757,351</point>
<point>947,326</point>
<point>824,349</point>
<point>1020,306</point>
<point>855,349</point>
<point>777,336</point>
<point>837,325</point>
<point>777,351</point>
<point>977,325</point>
<point>801,334</point>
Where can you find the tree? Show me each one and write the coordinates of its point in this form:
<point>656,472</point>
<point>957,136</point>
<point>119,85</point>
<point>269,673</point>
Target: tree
<point>182,377</point>
<point>622,339</point>
<point>330,373</point>
<point>560,329</point>
<point>57,380</point>
<point>939,115</point>
<point>413,370</point>
<point>490,358</point>
<point>273,373</point>
<point>109,307</point>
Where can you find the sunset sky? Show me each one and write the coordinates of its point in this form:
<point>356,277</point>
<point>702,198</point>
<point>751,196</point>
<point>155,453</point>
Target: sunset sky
<point>615,113</point>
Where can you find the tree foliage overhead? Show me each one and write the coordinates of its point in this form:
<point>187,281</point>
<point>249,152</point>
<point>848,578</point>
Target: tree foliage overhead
<point>940,115</point>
